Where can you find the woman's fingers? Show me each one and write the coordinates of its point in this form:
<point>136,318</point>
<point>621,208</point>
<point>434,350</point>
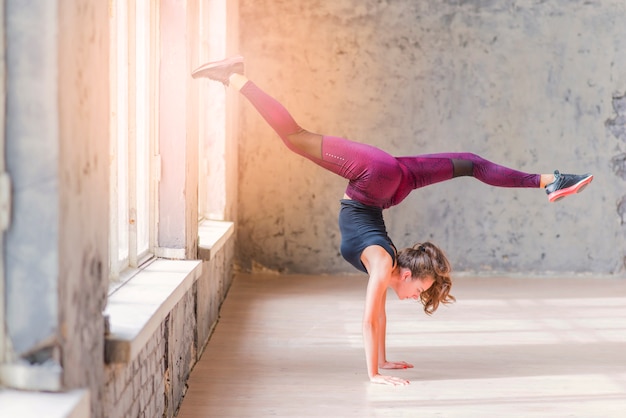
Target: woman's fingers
<point>396,365</point>
<point>389,380</point>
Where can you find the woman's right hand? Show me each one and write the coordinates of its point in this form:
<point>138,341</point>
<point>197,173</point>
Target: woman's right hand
<point>395,365</point>
<point>389,380</point>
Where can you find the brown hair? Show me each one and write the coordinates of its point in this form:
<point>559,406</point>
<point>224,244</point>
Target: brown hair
<point>426,259</point>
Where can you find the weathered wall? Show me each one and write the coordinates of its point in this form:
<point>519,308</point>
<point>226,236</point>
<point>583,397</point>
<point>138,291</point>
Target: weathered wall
<point>527,84</point>
<point>32,263</point>
<point>153,384</point>
<point>83,170</point>
<point>57,155</point>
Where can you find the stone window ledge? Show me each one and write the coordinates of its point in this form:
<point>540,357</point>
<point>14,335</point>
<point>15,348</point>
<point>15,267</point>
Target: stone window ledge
<point>15,403</point>
<point>212,235</point>
<point>136,310</point>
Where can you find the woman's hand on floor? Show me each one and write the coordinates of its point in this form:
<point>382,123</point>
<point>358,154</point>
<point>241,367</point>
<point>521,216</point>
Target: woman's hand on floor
<point>389,380</point>
<point>396,365</point>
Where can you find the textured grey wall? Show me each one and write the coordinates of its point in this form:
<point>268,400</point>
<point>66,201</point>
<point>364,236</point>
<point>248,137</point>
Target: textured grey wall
<point>32,156</point>
<point>58,159</point>
<point>533,85</point>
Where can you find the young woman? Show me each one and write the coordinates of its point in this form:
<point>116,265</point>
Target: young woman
<point>378,181</point>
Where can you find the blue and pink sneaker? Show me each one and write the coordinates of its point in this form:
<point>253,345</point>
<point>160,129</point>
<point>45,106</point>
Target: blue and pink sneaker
<point>566,184</point>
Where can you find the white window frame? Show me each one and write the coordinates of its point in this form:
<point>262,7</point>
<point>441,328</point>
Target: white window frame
<point>133,146</point>
<point>212,32</point>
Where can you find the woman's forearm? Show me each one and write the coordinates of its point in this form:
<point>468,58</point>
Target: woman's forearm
<point>371,339</point>
<point>382,334</point>
<point>382,331</point>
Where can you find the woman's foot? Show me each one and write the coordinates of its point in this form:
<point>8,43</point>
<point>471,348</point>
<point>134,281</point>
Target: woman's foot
<point>220,70</point>
<point>566,184</point>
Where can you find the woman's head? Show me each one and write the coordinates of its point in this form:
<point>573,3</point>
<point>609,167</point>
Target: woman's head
<point>426,260</point>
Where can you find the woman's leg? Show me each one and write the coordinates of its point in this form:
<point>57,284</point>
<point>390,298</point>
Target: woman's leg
<point>298,140</point>
<point>468,164</point>
<point>351,160</point>
<point>375,176</point>
<point>427,169</point>
<point>373,173</point>
<point>432,168</point>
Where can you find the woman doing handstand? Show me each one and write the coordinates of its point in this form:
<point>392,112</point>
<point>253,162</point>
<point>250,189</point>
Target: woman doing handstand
<point>377,181</point>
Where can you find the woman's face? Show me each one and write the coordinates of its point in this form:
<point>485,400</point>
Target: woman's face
<point>412,288</point>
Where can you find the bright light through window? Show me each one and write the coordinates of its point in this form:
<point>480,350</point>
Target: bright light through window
<point>212,181</point>
<point>142,133</point>
<point>131,146</point>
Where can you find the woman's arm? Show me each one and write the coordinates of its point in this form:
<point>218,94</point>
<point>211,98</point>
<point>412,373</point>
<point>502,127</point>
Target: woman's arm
<point>379,265</point>
<point>382,336</point>
<point>382,345</point>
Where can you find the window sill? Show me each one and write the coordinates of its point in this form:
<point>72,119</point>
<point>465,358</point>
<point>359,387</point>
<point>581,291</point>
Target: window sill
<point>74,404</point>
<point>136,310</point>
<point>212,235</point>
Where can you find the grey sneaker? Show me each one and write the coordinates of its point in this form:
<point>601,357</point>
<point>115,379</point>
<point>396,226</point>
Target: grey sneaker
<point>220,70</point>
<point>566,184</point>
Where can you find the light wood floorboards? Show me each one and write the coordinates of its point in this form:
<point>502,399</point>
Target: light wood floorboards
<point>291,346</point>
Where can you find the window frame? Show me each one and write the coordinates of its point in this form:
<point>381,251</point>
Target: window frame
<point>133,149</point>
<point>212,121</point>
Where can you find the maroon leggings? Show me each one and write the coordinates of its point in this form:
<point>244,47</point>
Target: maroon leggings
<point>375,177</point>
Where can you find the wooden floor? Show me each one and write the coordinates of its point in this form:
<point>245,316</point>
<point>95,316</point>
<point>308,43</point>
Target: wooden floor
<point>291,346</point>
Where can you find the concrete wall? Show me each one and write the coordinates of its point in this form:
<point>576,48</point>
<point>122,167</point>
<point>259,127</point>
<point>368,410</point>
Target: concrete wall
<point>31,153</point>
<point>57,154</point>
<point>83,207</point>
<point>529,84</point>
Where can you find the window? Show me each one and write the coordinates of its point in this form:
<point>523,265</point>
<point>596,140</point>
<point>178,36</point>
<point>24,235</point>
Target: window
<point>212,119</point>
<point>155,108</point>
<point>132,187</point>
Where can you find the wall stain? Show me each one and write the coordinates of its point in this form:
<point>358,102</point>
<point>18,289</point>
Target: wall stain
<point>619,165</point>
<point>617,127</point>
<point>621,210</point>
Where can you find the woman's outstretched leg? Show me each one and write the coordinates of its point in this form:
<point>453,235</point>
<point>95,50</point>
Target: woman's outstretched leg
<point>468,164</point>
<point>230,72</point>
<point>352,160</point>
<point>453,165</point>
<point>375,177</point>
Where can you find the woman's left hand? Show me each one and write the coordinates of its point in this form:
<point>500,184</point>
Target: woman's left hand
<point>396,365</point>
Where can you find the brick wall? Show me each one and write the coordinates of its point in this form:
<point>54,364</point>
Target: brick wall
<point>138,389</point>
<point>154,383</point>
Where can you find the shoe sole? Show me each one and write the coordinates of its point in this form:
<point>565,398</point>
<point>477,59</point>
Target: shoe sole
<point>216,64</point>
<point>576,188</point>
